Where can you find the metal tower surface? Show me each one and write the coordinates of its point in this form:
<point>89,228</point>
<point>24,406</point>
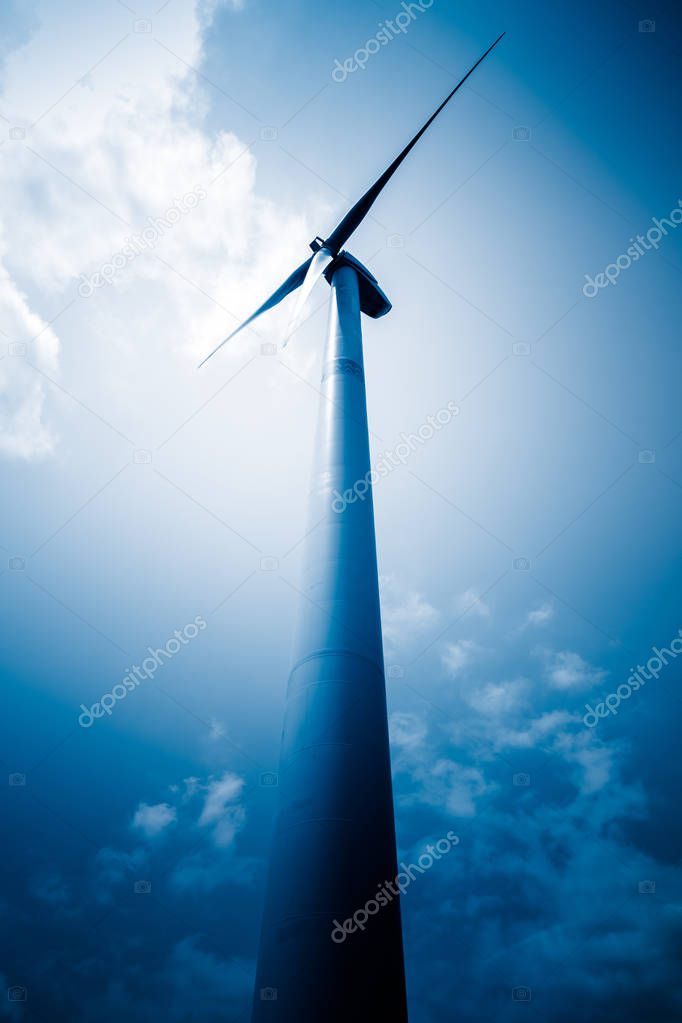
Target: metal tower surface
<point>334,839</point>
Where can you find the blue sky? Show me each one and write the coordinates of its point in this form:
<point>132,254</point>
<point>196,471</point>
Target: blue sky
<point>529,553</point>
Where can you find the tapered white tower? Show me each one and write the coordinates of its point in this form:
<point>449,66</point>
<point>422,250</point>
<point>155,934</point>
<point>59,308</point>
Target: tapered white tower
<point>334,841</point>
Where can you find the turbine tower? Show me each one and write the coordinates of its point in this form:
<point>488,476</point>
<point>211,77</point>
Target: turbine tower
<point>331,941</point>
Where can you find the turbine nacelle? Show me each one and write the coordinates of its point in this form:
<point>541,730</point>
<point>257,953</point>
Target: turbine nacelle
<point>373,302</point>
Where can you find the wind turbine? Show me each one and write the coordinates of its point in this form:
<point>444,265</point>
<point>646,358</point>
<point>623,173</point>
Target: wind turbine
<point>333,852</point>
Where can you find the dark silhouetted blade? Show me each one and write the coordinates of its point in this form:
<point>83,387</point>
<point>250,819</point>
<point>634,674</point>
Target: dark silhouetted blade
<point>357,214</point>
<point>295,280</point>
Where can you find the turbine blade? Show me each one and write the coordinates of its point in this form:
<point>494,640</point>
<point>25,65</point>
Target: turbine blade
<point>357,214</point>
<point>318,265</point>
<point>290,284</point>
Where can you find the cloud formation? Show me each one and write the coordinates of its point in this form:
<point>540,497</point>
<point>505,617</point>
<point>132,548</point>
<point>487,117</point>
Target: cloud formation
<point>152,820</point>
<point>566,669</point>
<point>547,892</point>
<point>540,615</point>
<point>221,809</point>
<point>405,613</point>
<point>456,655</point>
<point>100,165</point>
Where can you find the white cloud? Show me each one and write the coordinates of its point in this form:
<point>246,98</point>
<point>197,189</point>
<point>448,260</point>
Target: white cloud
<point>405,613</point>
<point>435,780</point>
<point>220,793</point>
<point>540,616</point>
<point>119,147</point>
<point>566,669</point>
<point>458,786</point>
<point>25,337</point>
<point>407,731</point>
<point>188,789</point>
<point>456,655</point>
<point>211,804</point>
<point>224,984</point>
<point>470,602</point>
<point>595,762</point>
<point>216,729</point>
<point>495,698</point>
<point>152,820</point>
<point>536,731</point>
<point>221,810</point>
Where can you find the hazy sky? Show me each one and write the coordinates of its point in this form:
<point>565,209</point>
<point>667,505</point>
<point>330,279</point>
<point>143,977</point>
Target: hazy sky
<point>529,552</point>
